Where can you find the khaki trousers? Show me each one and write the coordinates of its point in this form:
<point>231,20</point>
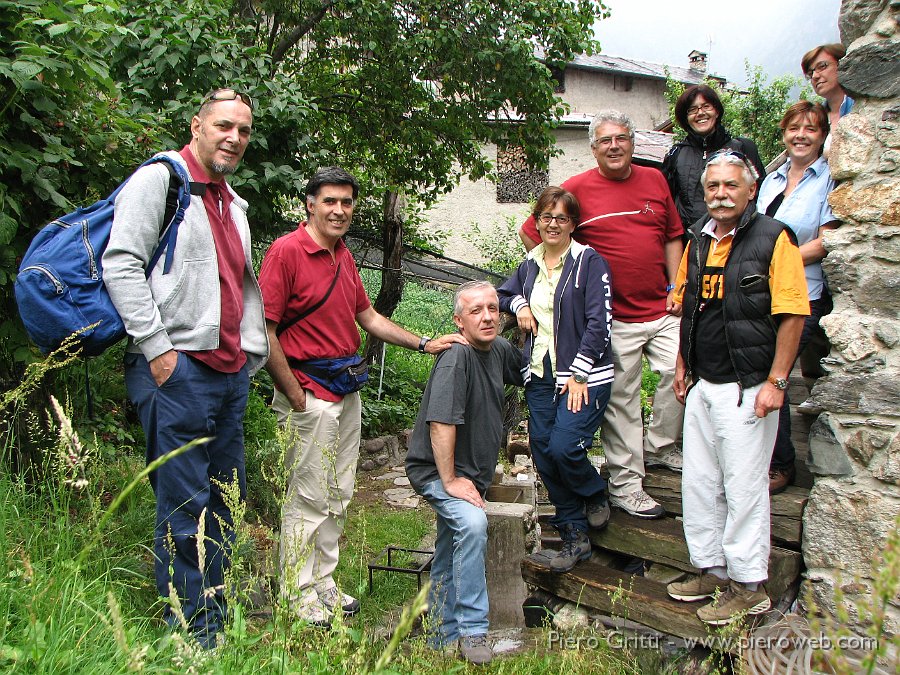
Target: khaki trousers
<point>623,431</point>
<point>321,467</point>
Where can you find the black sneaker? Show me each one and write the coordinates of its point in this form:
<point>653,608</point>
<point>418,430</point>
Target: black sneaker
<point>576,547</point>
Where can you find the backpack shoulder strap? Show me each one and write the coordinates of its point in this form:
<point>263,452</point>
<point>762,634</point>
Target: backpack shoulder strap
<point>309,310</point>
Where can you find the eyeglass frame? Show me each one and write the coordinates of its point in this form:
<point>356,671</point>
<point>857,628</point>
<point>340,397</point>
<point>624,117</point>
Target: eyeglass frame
<point>215,96</point>
<point>820,67</point>
<point>730,152</point>
<point>706,107</point>
<point>546,218</point>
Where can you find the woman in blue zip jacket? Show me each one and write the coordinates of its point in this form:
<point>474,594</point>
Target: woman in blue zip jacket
<point>562,298</point>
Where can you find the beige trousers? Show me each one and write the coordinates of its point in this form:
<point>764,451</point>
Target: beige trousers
<point>321,468</point>
<point>623,430</point>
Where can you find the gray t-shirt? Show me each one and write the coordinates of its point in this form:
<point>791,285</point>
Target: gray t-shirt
<point>465,389</point>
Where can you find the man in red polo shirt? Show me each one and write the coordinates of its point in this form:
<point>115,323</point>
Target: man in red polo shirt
<point>311,273</point>
<point>628,216</point>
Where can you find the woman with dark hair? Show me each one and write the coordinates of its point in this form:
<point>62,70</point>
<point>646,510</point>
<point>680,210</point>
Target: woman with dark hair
<point>562,298</point>
<point>699,112</point>
<point>797,195</point>
<point>820,65</point>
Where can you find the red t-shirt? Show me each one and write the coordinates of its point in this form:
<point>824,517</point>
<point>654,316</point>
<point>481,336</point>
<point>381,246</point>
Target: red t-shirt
<point>628,222</point>
<point>228,357</point>
<point>296,273</point>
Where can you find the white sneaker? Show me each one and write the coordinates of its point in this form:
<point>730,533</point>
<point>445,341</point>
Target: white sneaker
<point>639,504</point>
<point>311,610</point>
<point>672,460</point>
<point>332,598</point>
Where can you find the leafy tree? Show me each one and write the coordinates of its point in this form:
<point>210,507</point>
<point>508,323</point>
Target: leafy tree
<point>753,113</point>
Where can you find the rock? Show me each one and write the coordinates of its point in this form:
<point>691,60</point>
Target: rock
<point>826,455</point>
<point>887,465</point>
<point>398,494</point>
<point>852,141</point>
<point>390,475</point>
<point>372,446</point>
<point>887,245</point>
<point>517,469</point>
<point>858,448</point>
<point>392,446</point>
<point>888,131</point>
<point>873,203</point>
<point>404,437</point>
<point>871,70</point>
<point>570,617</point>
<point>867,393</point>
<point>850,334</point>
<point>844,525</point>
<point>401,481</point>
<point>869,365</point>
<point>382,460</point>
<point>889,161</point>
<point>367,465</point>
<point>856,16</point>
<point>408,503</point>
<point>879,291</point>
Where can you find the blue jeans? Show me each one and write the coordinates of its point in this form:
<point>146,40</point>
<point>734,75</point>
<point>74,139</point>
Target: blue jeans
<point>194,402</point>
<point>560,441</point>
<point>458,598</point>
<point>784,453</point>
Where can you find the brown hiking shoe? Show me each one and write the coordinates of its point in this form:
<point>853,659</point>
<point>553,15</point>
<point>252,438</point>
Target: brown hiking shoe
<point>779,479</point>
<point>697,587</point>
<point>735,603</point>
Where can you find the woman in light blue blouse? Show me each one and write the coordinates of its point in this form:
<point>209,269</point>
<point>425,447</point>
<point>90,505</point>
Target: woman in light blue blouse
<point>797,195</point>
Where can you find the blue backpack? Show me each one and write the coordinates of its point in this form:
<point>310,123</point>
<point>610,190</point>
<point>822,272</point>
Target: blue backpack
<point>59,288</point>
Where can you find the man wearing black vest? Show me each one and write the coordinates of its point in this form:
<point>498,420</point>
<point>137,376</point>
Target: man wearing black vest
<point>744,297</point>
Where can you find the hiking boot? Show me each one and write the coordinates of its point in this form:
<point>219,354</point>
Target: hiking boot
<point>697,587</point>
<point>672,460</point>
<point>314,614</point>
<point>639,504</point>
<point>597,513</point>
<point>332,597</point>
<point>779,479</point>
<point>475,649</point>
<point>735,603</point>
<point>576,547</point>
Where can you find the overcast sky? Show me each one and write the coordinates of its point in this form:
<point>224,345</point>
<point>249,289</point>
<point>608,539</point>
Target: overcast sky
<point>772,33</point>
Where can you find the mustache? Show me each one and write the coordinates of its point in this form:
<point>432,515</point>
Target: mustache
<point>719,203</point>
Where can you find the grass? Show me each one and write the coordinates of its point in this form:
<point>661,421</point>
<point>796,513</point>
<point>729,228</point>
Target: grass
<point>76,578</point>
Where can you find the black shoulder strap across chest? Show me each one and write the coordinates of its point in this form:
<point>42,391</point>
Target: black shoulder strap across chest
<point>309,310</point>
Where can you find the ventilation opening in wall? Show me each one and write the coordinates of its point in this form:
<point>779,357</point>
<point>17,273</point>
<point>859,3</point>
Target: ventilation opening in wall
<point>517,182</point>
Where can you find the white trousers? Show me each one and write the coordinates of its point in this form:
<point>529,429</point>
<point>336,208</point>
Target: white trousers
<point>623,431</point>
<point>321,473</point>
<point>725,480</point>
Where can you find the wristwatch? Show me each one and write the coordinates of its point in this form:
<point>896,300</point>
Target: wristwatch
<point>424,341</point>
<point>579,378</point>
<point>778,382</point>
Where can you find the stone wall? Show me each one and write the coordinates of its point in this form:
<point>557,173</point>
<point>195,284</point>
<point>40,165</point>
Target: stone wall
<point>855,443</point>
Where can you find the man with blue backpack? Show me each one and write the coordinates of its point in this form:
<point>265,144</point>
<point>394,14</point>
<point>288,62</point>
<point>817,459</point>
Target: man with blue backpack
<point>196,333</point>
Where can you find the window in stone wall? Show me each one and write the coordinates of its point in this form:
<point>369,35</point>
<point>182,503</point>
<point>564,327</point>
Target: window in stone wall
<point>516,181</point>
<point>623,83</point>
<point>559,78</point>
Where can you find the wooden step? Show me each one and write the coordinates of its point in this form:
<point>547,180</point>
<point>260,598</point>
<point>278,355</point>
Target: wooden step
<point>663,541</point>
<point>787,508</point>
<point>593,585</point>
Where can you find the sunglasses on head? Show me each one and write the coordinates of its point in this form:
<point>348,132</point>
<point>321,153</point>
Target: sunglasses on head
<point>728,152</point>
<point>227,95</point>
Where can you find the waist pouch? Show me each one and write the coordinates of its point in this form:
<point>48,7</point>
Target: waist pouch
<point>340,376</point>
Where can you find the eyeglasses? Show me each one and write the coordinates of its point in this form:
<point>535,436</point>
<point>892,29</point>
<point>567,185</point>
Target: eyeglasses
<point>546,219</point>
<point>728,152</point>
<point>821,66</point>
<point>705,108</point>
<point>606,141</point>
<point>227,95</point>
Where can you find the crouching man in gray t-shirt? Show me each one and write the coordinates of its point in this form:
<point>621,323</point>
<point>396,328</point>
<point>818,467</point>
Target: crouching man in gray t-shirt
<point>452,457</point>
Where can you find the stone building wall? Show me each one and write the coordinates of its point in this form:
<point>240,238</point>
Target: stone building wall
<point>855,443</point>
